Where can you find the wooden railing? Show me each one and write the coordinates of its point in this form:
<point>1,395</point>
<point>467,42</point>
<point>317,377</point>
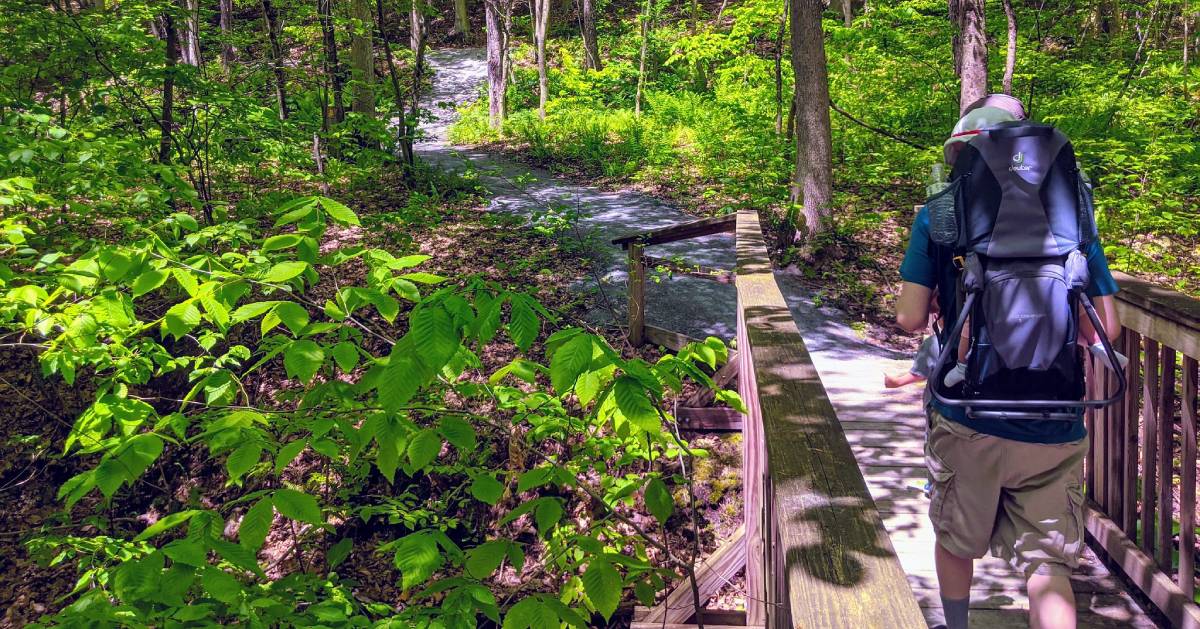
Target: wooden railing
<point>1137,513</point>
<point>820,556</point>
<point>815,550</point>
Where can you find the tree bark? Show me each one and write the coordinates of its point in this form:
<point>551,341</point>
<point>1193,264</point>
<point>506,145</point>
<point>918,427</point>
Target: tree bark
<point>332,68</point>
<point>847,13</point>
<point>540,11</point>
<point>813,183</point>
<point>497,60</point>
<point>191,34</point>
<point>226,19</point>
<point>362,61</point>
<point>1010,56</point>
<point>416,42</point>
<point>271,17</point>
<point>783,19</point>
<point>166,120</point>
<point>641,79</point>
<point>591,45</point>
<point>462,22</point>
<point>970,50</point>
<point>403,133</point>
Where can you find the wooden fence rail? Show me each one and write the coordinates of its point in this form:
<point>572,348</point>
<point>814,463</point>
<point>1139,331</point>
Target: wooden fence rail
<point>1138,514</point>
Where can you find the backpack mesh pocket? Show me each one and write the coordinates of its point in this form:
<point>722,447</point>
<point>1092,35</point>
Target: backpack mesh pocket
<point>943,215</point>
<point>1087,208</point>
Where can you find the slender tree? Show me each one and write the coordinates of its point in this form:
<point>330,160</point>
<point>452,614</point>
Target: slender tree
<point>166,120</point>
<point>334,73</point>
<point>540,11</point>
<point>496,16</point>
<point>190,53</point>
<point>226,21</point>
<point>587,28</point>
<point>644,21</point>
<point>1010,57</point>
<point>403,133</point>
<point>362,62</point>
<point>970,50</point>
<point>462,23</point>
<point>783,19</point>
<point>813,183</point>
<point>271,18</point>
<point>416,43</point>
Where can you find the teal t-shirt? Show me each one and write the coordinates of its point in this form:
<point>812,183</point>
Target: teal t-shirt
<point>930,265</point>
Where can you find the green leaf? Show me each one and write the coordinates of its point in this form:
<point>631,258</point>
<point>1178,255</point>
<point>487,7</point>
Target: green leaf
<point>181,318</point>
<point>287,454</point>
<point>422,277</point>
<point>536,477</point>
<point>295,210</point>
<point>293,315</point>
<point>284,271</point>
<point>635,406</point>
<point>523,324</point>
<point>282,241</point>
<point>242,459</point>
<point>302,359</point>
<point>484,559</point>
<point>339,552</point>
<point>433,336</point>
<point>345,354</point>
<point>338,212</point>
<point>256,524</point>
<point>569,361</point>
<point>148,281</point>
<point>423,449</point>
<point>485,488</point>
<point>401,379</point>
<point>547,515</point>
<point>658,500</point>
<point>165,524</point>
<point>188,552</point>
<point>298,506</point>
<point>530,613</point>
<point>220,585</point>
<point>406,262</point>
<point>458,432</point>
<point>251,310</point>
<point>417,558</point>
<point>603,586</point>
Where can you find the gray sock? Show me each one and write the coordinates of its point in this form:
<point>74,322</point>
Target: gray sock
<point>956,612</point>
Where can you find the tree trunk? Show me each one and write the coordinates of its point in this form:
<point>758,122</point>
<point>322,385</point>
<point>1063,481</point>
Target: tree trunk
<point>362,62</point>
<point>641,79</point>
<point>813,182</point>
<point>779,68</point>
<point>462,23</point>
<point>276,51</point>
<point>848,13</point>
<point>970,50</point>
<point>167,119</point>
<point>540,10</point>
<point>226,35</point>
<point>191,33</point>
<point>1010,56</point>
<point>591,45</point>
<point>416,42</point>
<point>333,70</point>
<point>497,53</point>
<point>403,133</point>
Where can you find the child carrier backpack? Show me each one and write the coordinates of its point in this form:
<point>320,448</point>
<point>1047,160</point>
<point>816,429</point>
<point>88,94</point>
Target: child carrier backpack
<point>1017,215</point>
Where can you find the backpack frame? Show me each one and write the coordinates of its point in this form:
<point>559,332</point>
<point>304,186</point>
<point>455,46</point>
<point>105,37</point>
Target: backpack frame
<point>1016,216</point>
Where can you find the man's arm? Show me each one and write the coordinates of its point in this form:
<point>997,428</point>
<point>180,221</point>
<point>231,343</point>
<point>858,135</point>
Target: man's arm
<point>1106,310</point>
<point>912,308</point>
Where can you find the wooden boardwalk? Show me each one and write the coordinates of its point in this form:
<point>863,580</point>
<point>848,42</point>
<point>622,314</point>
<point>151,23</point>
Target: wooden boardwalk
<point>886,431</point>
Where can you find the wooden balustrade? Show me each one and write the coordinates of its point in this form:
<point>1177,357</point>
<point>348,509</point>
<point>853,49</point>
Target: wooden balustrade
<point>817,552</point>
<point>1137,514</point>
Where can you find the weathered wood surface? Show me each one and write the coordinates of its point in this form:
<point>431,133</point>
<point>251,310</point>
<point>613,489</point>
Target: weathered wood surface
<point>1166,315</point>
<point>722,276</point>
<point>717,570</point>
<point>680,231</point>
<point>637,295</point>
<point>829,561</point>
<point>673,341</point>
<point>709,419</point>
<point>724,375</point>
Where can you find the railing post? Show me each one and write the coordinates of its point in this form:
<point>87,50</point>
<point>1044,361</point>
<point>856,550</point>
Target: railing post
<point>1187,482</point>
<point>637,294</point>
<point>753,482</point>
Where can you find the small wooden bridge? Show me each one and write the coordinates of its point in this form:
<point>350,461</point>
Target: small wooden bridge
<point>835,532</point>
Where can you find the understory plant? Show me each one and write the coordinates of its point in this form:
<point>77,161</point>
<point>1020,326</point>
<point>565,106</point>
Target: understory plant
<point>386,440</point>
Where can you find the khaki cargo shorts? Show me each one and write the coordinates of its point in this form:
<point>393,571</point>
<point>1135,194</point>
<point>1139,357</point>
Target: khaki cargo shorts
<point>1024,501</point>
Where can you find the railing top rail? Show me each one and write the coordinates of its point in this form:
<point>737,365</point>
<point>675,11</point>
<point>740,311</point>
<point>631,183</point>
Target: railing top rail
<point>679,231</point>
<point>1160,313</point>
<point>838,566</point>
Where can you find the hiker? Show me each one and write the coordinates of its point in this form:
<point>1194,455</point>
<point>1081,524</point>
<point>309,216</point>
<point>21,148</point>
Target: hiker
<point>1004,484</point>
